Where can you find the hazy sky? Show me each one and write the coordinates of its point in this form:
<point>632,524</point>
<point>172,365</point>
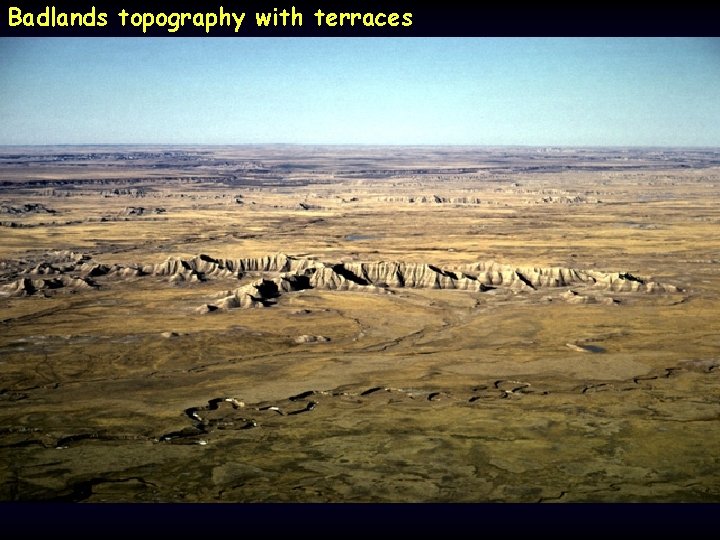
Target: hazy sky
<point>525,91</point>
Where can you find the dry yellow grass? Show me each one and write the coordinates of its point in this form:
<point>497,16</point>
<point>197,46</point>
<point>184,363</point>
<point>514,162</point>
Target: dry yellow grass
<point>479,396</point>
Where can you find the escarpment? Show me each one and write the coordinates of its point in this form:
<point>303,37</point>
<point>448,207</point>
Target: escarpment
<point>382,277</point>
<point>429,199</point>
<point>28,286</point>
<point>280,274</point>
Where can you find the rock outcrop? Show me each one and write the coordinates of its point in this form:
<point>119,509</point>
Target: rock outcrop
<point>565,199</point>
<point>28,208</point>
<point>430,199</point>
<point>129,192</point>
<point>141,210</point>
<point>494,274</point>
<point>264,292</point>
<point>58,271</point>
<point>29,287</point>
<point>280,274</point>
<point>204,267</point>
<point>311,339</point>
<point>383,276</point>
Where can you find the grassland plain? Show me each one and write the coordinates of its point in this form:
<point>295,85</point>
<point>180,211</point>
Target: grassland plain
<point>118,384</point>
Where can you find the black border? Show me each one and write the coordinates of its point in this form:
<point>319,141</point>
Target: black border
<point>447,19</point>
<point>355,520</point>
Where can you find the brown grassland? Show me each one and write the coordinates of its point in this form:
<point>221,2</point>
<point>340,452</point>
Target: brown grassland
<point>125,391</point>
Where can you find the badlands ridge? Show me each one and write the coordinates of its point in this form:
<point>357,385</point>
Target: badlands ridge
<point>279,274</point>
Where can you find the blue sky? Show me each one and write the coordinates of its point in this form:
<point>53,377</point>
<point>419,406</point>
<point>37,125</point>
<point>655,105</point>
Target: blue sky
<point>483,91</point>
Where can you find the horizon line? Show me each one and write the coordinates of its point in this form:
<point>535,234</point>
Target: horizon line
<point>368,145</point>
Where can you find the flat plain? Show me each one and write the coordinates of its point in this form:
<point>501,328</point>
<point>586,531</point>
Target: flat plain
<point>292,323</point>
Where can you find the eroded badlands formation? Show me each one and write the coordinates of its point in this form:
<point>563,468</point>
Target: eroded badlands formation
<point>279,274</point>
<point>445,324</point>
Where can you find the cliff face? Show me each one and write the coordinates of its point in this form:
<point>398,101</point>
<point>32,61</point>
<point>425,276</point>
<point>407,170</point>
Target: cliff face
<point>430,199</point>
<point>412,275</point>
<point>494,274</point>
<point>280,274</point>
<point>474,277</point>
<point>58,272</point>
<point>383,276</point>
<point>27,286</point>
<point>263,292</point>
<point>206,267</point>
